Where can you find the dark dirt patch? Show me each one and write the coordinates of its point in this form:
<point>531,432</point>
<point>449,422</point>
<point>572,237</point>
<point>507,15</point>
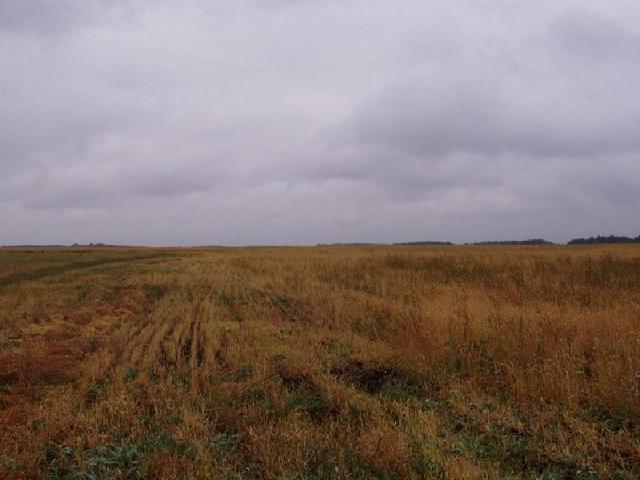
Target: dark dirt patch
<point>378,379</point>
<point>305,396</point>
<point>185,350</point>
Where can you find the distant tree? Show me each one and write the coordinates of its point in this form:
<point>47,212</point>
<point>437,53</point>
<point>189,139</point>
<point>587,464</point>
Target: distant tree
<point>425,242</point>
<point>532,241</point>
<point>604,240</point>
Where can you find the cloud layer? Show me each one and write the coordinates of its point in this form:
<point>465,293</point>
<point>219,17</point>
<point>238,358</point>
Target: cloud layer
<point>251,122</point>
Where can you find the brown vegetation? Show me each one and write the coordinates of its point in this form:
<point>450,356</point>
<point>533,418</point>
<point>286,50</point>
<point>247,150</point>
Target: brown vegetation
<point>328,362</point>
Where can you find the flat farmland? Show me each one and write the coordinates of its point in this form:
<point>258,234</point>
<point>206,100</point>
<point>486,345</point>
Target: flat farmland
<point>320,363</point>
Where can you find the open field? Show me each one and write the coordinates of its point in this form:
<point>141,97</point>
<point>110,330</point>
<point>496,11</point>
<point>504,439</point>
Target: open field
<point>319,363</point>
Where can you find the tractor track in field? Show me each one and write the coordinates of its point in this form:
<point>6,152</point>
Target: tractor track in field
<point>74,266</point>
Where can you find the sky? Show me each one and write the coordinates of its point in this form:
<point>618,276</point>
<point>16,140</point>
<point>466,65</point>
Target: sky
<point>244,122</point>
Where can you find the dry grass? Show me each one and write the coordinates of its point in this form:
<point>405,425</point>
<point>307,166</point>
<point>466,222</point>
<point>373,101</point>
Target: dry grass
<point>309,363</point>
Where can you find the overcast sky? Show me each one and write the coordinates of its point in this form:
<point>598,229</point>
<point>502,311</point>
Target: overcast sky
<point>302,121</point>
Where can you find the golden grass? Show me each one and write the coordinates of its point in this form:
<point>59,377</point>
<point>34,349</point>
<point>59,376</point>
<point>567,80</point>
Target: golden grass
<point>310,363</point>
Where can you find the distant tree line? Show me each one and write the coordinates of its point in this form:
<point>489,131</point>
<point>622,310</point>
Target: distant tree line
<point>603,239</point>
<point>350,244</point>
<point>73,245</point>
<point>531,241</point>
<point>600,239</point>
<point>427,242</point>
<point>33,246</point>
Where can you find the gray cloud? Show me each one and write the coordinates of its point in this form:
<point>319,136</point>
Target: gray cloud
<point>50,18</point>
<point>283,122</point>
<point>590,35</point>
<point>39,16</point>
<point>490,115</point>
